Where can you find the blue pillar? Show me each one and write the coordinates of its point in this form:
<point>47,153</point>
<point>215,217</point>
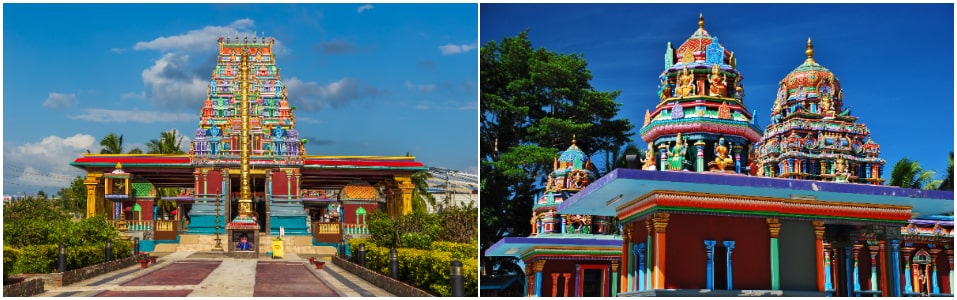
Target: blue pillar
<point>828,286</point>
<point>895,284</point>
<point>563,225</point>
<point>730,246</point>
<point>578,281</point>
<point>538,283</point>
<point>640,253</point>
<point>849,271</point>
<point>933,276</point>
<point>709,251</point>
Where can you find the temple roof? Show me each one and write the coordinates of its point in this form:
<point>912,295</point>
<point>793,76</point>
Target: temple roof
<point>698,43</point>
<point>359,190</point>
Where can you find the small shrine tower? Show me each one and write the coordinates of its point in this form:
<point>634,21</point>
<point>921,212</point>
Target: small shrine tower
<point>812,135</point>
<point>700,116</point>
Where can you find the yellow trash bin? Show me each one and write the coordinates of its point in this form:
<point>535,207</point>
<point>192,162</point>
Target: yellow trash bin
<point>277,248</point>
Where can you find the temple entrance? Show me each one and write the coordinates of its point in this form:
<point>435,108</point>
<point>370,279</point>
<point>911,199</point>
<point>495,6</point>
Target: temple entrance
<point>257,188</point>
<point>592,283</point>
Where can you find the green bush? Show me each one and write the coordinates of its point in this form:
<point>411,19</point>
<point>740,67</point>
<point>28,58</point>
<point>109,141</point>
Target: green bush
<point>426,269</point>
<point>10,255</point>
<point>36,259</point>
<point>416,240</point>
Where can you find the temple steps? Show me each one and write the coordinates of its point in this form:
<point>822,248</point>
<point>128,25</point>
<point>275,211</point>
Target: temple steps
<point>300,245</point>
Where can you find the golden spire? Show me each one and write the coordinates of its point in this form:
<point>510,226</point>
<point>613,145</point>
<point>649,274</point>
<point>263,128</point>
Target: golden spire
<point>573,139</point>
<point>809,52</point>
<point>701,20</point>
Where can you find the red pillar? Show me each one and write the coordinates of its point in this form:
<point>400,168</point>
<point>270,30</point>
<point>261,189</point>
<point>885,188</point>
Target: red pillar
<point>819,250</point>
<point>661,226</point>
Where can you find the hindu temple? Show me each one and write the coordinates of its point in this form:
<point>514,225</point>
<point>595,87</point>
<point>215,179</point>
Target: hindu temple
<point>247,175</point>
<point>718,209</point>
<point>567,255</point>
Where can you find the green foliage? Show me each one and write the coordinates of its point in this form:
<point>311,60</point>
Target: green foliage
<point>32,221</point>
<point>111,144</point>
<point>458,224</point>
<point>73,198</point>
<point>415,240</point>
<point>10,256</point>
<point>909,174</point>
<point>36,259</point>
<point>166,144</point>
<point>532,102</point>
<point>947,184</point>
<point>382,229</point>
<point>426,269</point>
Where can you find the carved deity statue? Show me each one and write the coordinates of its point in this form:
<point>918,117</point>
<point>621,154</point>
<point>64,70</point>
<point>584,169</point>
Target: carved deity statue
<point>840,170</point>
<point>649,159</point>
<point>676,156</point>
<point>719,83</point>
<point>686,84</point>
<point>722,157</point>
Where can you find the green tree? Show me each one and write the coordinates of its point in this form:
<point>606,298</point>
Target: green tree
<point>73,198</point>
<point>31,221</point>
<point>909,174</point>
<point>420,194</point>
<point>948,183</point>
<point>166,144</point>
<point>111,144</point>
<point>136,151</point>
<point>533,102</point>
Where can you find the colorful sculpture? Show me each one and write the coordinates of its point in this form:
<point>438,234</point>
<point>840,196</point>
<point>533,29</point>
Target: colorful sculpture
<point>676,155</point>
<point>719,84</point>
<point>722,157</point>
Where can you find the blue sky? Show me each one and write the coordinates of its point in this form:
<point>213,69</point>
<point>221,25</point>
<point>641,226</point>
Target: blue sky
<point>895,61</point>
<point>368,79</point>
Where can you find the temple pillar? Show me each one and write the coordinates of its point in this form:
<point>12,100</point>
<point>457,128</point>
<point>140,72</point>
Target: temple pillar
<point>405,185</point>
<point>578,281</point>
<point>873,250</point>
<point>828,283</point>
<point>538,265</point>
<point>737,158</point>
<point>528,280</point>
<point>555,284</point>
<point>908,273</point>
<point>882,250</point>
<point>649,256</point>
<point>661,226</point>
<point>935,288</point>
<point>640,279</point>
<point>628,266</point>
<point>857,270</point>
<point>614,279</point>
<point>94,203</point>
<point>774,226</point>
<point>663,148</point>
<point>820,255</point>
<point>730,246</point>
<point>699,161</point>
<point>891,234</point>
<point>568,277</point>
<point>709,252</point>
<point>950,276</point>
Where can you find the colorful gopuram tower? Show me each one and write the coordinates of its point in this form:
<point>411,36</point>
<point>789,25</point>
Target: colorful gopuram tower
<point>701,101</point>
<point>247,128</point>
<point>812,135</point>
<point>566,255</point>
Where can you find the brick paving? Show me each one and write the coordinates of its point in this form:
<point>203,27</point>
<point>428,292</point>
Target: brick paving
<point>282,279</point>
<point>186,272</point>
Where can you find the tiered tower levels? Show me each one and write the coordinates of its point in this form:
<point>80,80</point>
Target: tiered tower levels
<point>271,122</point>
<point>571,172</point>
<point>812,136</point>
<point>702,98</point>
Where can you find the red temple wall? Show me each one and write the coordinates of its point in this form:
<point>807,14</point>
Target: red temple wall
<point>349,211</point>
<point>564,266</point>
<point>685,265</point>
<point>213,183</point>
<point>279,184</point>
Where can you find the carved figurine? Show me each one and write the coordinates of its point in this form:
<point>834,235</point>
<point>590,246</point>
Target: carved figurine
<point>722,158</point>
<point>686,84</point>
<point>676,156</point>
<point>719,83</point>
<point>649,159</point>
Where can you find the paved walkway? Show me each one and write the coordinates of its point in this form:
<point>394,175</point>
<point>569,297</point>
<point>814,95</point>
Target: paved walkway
<point>189,274</point>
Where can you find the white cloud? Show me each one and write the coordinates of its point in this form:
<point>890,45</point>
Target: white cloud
<point>58,100</point>
<point>172,85</point>
<point>198,39</point>
<point>123,116</point>
<point>365,8</point>
<point>118,50</point>
<point>422,107</point>
<point>45,163</point>
<point>133,95</point>
<point>311,96</point>
<point>451,49</point>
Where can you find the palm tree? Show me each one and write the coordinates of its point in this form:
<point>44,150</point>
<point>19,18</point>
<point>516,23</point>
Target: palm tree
<point>111,144</point>
<point>909,174</point>
<point>167,144</point>
<point>421,193</point>
<point>948,183</point>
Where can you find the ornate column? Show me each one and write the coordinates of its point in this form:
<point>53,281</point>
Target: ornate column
<point>663,148</point>
<point>873,249</point>
<point>908,273</point>
<point>857,270</point>
<point>661,226</point>
<point>650,264</point>
<point>882,254</point>
<point>555,284</point>
<point>405,186</point>
<point>614,279</point>
<point>774,226</point>
<point>640,282</point>
<point>528,280</point>
<point>538,265</point>
<point>92,182</point>
<point>935,288</point>
<point>892,234</point>
<point>578,281</point>
<point>628,265</point>
<point>709,252</point>
<point>821,255</point>
<point>828,285</point>
<point>699,162</point>
<point>568,276</point>
<point>730,246</point>
<point>737,158</point>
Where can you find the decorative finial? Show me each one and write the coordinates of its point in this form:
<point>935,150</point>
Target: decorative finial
<point>701,20</point>
<point>573,139</point>
<point>119,165</point>
<point>810,51</point>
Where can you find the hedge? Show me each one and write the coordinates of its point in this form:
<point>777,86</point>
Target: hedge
<point>41,259</point>
<point>426,269</point>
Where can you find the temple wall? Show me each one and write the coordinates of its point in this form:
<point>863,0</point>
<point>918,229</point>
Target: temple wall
<point>558,266</point>
<point>349,211</point>
<point>798,269</point>
<point>686,260</point>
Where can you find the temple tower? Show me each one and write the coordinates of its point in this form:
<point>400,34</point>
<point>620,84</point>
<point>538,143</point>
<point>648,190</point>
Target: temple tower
<point>700,110</point>
<point>812,135</point>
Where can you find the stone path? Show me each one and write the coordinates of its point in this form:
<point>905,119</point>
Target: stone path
<point>188,274</point>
